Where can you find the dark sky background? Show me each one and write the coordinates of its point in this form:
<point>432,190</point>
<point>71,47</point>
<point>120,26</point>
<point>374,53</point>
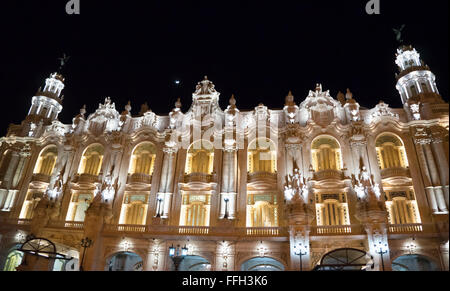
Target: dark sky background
<point>258,50</point>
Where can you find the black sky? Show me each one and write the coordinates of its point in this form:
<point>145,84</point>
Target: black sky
<point>258,50</point>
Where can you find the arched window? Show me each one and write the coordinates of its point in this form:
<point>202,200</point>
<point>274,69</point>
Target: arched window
<point>262,156</point>
<point>345,260</point>
<point>124,261</point>
<point>414,262</point>
<point>46,161</point>
<point>134,209</point>
<point>200,158</point>
<point>92,159</point>
<point>402,207</point>
<point>262,264</point>
<point>194,264</point>
<point>78,206</point>
<point>326,154</point>
<point>262,210</point>
<point>143,159</point>
<point>13,260</point>
<point>332,210</point>
<point>390,152</point>
<point>195,210</point>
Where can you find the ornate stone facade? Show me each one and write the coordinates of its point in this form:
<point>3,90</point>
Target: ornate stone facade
<point>242,190</point>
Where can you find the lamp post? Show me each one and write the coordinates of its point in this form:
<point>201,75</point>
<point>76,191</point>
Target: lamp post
<point>174,254</point>
<point>85,243</point>
<point>301,250</point>
<point>381,249</point>
<point>226,208</point>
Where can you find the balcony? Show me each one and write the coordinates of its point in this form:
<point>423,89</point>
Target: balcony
<point>405,228</point>
<point>266,231</point>
<point>261,176</point>
<point>86,178</point>
<point>138,178</point>
<point>395,172</point>
<point>328,175</point>
<point>198,177</point>
<point>336,230</point>
<point>40,178</point>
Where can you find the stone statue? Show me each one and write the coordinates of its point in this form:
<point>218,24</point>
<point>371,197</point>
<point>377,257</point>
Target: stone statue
<point>398,33</point>
<point>63,61</point>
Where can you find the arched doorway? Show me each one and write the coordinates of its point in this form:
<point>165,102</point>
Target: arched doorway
<point>13,259</point>
<point>194,264</point>
<point>262,264</point>
<point>124,261</point>
<point>414,262</point>
<point>345,260</point>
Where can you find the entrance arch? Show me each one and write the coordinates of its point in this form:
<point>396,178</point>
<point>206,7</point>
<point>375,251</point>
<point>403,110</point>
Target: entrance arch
<point>194,263</point>
<point>124,261</point>
<point>414,262</point>
<point>13,259</point>
<point>262,264</point>
<point>345,260</point>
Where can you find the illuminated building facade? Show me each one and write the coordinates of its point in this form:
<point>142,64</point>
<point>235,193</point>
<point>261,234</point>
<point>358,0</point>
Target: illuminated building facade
<point>322,184</point>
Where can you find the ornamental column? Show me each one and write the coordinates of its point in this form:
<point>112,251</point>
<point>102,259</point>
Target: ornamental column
<point>228,195</point>
<point>435,178</point>
<point>165,192</point>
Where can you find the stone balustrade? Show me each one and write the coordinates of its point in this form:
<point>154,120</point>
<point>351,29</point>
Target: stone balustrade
<point>139,178</point>
<point>198,177</point>
<point>86,178</point>
<point>328,175</point>
<point>261,176</point>
<point>395,172</point>
<point>40,178</point>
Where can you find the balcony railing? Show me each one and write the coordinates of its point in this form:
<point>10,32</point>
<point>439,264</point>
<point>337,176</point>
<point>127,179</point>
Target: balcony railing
<point>86,178</point>
<point>40,178</point>
<point>139,178</point>
<point>266,231</point>
<point>196,230</point>
<point>328,175</point>
<point>261,176</point>
<point>395,172</point>
<point>336,229</point>
<point>198,177</point>
<point>405,228</point>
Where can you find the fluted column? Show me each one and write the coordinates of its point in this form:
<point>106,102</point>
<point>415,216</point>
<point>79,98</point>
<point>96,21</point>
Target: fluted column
<point>435,179</point>
<point>166,185</point>
<point>439,151</point>
<point>426,174</point>
<point>228,184</point>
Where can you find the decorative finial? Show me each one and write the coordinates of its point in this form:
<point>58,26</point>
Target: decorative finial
<point>128,106</point>
<point>144,109</point>
<point>178,103</point>
<point>349,94</point>
<point>398,33</point>
<point>341,97</point>
<point>289,99</point>
<point>232,101</point>
<point>63,61</point>
<point>83,110</point>
<point>319,87</point>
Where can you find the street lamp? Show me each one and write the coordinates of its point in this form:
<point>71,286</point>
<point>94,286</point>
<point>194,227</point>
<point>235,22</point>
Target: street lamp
<point>301,250</point>
<point>174,254</point>
<point>381,249</point>
<point>226,208</point>
<point>85,243</point>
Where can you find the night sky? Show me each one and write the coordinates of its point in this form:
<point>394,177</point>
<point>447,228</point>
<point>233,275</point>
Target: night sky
<point>258,50</point>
